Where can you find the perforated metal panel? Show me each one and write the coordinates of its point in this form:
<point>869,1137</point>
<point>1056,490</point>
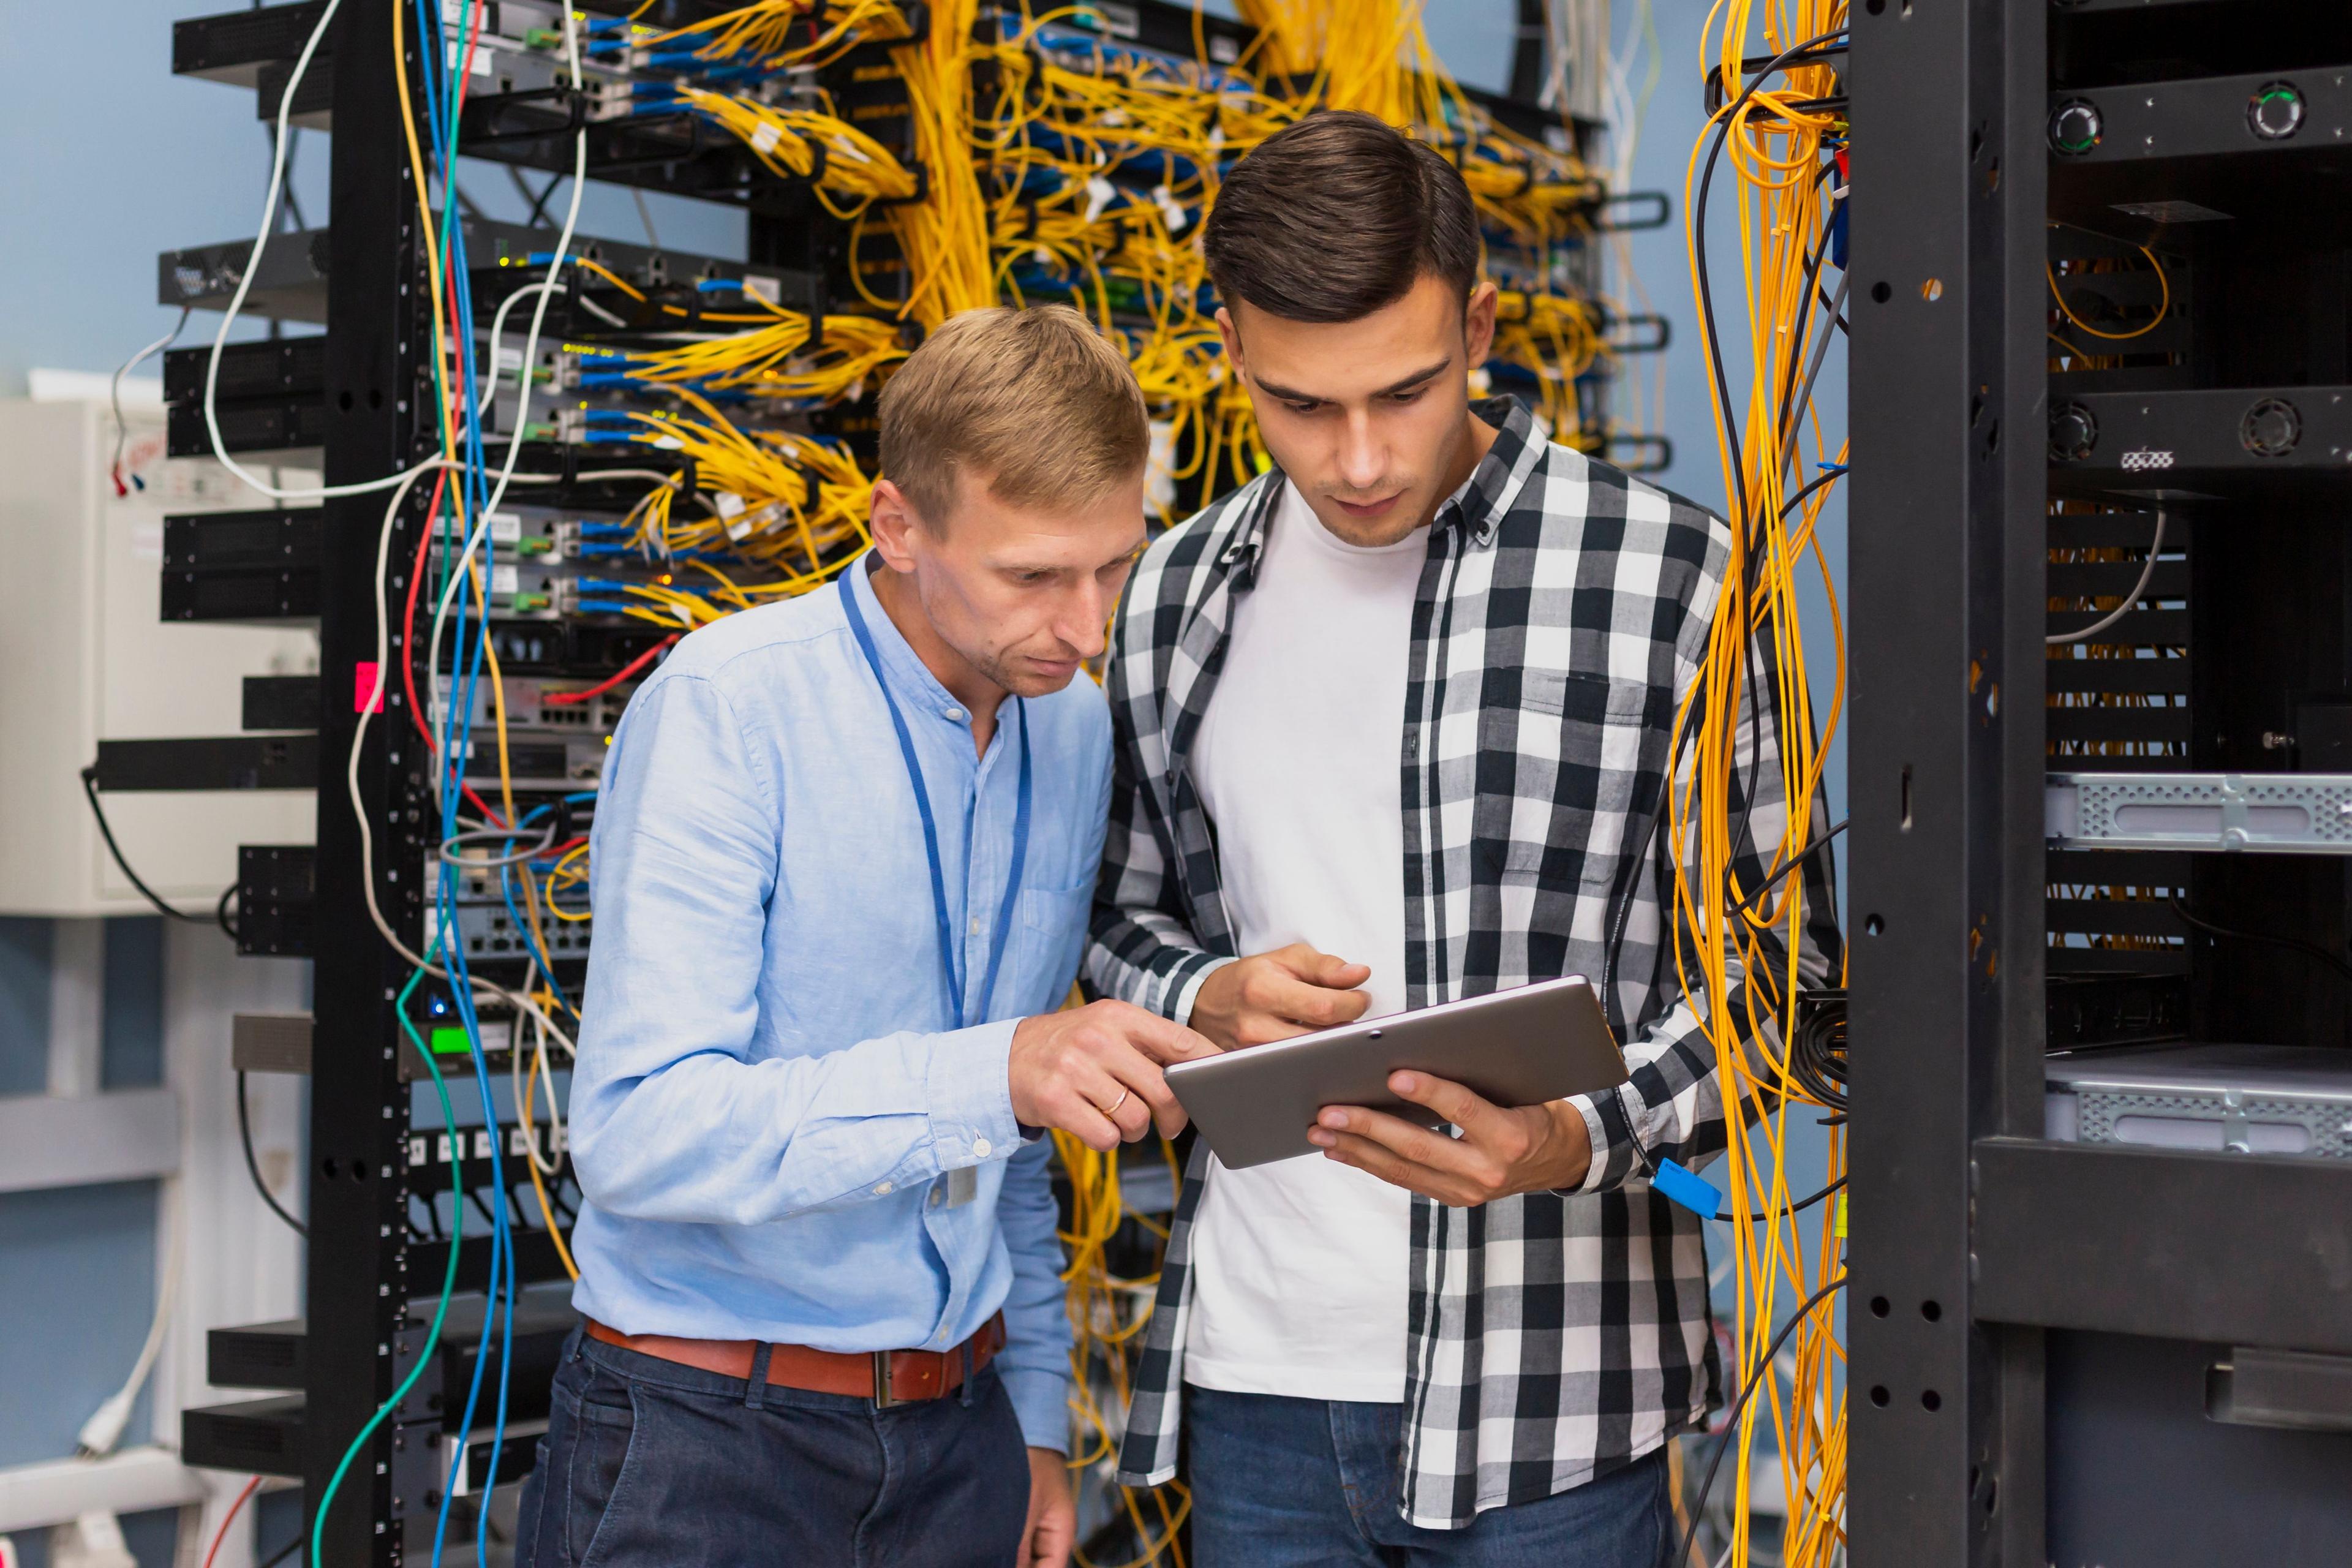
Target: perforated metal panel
<point>2291,814</point>
<point>2240,1120</point>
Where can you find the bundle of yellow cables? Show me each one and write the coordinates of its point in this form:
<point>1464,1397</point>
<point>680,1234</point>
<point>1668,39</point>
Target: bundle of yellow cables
<point>1774,151</point>
<point>792,505</point>
<point>762,33</point>
<point>789,142</point>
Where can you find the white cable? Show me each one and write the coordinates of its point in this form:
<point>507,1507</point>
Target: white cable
<point>114,388</point>
<point>555,269</point>
<point>245,283</point>
<point>497,333</point>
<point>2131,600</point>
<point>546,1074</point>
<point>359,739</point>
<point>103,1430</point>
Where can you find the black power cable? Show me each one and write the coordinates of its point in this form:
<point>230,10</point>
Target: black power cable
<point>2309,949</point>
<point>218,916</point>
<point>1698,255</point>
<point>1721,383</point>
<point>1732,1428</point>
<point>253,1166</point>
<point>1817,1048</point>
<point>90,792</point>
<point>1799,858</point>
<point>1800,1206</point>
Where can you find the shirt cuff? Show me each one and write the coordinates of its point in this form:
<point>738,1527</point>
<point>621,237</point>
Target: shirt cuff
<point>1041,1400</point>
<point>1180,1009</point>
<point>1617,1155</point>
<point>968,1094</point>
<point>1598,1132</point>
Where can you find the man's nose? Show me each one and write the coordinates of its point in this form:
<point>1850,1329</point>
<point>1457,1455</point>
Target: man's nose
<point>1364,459</point>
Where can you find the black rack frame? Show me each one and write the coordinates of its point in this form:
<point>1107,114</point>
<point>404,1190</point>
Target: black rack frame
<point>357,1295</point>
<point>1971,1236</point>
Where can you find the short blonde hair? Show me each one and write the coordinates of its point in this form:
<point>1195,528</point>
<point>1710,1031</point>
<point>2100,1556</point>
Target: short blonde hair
<point>1034,404</point>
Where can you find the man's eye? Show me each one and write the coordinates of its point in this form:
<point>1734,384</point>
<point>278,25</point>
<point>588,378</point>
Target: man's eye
<point>1407,396</point>
<point>1301,407</point>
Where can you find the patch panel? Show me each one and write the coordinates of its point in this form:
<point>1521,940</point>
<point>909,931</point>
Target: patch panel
<point>488,934</point>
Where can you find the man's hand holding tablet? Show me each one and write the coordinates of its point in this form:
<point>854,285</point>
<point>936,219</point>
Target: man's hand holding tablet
<point>1371,1093</point>
<point>1502,1151</point>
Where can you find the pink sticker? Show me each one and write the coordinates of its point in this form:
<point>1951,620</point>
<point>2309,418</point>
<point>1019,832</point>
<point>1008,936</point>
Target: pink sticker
<point>367,691</point>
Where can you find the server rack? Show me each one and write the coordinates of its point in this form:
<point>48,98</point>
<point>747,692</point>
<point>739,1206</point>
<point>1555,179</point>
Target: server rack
<point>2007,1286</point>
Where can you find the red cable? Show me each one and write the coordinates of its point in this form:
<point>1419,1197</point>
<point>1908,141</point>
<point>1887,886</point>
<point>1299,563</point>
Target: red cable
<point>610,681</point>
<point>228,1518</point>
<point>408,615</point>
<point>408,648</point>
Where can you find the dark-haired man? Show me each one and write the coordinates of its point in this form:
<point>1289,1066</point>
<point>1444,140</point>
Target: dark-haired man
<point>1390,726</point>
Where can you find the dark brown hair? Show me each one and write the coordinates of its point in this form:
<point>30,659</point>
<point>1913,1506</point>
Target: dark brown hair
<point>1331,218</point>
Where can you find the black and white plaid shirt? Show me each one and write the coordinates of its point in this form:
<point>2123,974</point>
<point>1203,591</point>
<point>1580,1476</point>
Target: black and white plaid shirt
<point>1562,615</point>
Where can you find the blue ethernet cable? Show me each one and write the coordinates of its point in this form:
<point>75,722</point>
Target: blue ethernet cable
<point>530,933</point>
<point>458,728</point>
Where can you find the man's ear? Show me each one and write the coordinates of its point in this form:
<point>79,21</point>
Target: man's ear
<point>1231,334</point>
<point>1478,323</point>
<point>893,522</point>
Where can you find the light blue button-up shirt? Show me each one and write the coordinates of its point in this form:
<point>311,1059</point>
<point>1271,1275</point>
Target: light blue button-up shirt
<point>772,1088</point>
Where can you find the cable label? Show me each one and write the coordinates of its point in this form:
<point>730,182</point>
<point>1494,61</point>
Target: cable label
<point>1688,1188</point>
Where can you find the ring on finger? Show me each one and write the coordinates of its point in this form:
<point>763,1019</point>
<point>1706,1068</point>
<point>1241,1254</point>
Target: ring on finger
<point>1112,1109</point>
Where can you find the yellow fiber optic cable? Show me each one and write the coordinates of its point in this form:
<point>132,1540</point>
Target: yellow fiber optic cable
<point>1773,149</point>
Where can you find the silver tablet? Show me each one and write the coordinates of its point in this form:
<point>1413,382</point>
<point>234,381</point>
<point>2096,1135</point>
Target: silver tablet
<point>1521,1047</point>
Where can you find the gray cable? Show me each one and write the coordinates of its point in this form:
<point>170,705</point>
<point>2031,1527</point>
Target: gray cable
<point>2131,600</point>
<point>114,387</point>
<point>1814,372</point>
<point>453,846</point>
<point>645,217</point>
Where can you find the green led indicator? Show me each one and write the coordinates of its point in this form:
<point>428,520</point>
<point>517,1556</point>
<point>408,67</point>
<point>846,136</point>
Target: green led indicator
<point>449,1040</point>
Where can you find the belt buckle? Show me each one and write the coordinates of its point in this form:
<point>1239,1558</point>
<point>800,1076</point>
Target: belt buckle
<point>885,1397</point>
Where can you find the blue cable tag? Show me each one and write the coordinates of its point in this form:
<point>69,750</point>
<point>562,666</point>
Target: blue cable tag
<point>1693,1191</point>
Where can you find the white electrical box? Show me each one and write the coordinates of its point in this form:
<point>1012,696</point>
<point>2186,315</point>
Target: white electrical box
<point>84,656</point>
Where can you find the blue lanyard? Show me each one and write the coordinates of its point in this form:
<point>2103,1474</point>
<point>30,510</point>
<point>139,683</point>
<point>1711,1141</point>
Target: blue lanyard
<point>948,944</point>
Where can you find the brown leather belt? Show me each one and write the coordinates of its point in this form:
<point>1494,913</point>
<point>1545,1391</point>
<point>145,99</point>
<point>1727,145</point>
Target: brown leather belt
<point>887,1377</point>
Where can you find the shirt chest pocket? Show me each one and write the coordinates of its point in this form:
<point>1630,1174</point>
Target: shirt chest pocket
<point>1049,935</point>
<point>1574,749</point>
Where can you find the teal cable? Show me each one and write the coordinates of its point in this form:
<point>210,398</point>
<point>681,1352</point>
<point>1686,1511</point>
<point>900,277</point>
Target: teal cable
<point>448,1277</point>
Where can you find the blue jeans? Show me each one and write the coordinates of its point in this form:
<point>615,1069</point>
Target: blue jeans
<point>1311,1483</point>
<point>648,1464</point>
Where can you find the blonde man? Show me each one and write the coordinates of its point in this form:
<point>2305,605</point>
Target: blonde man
<point>843,860</point>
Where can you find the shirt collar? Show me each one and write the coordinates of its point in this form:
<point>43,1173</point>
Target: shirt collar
<point>910,677</point>
<point>1496,483</point>
<point>1478,511</point>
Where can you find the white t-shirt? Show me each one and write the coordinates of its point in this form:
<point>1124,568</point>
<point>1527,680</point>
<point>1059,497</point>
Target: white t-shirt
<point>1298,1267</point>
